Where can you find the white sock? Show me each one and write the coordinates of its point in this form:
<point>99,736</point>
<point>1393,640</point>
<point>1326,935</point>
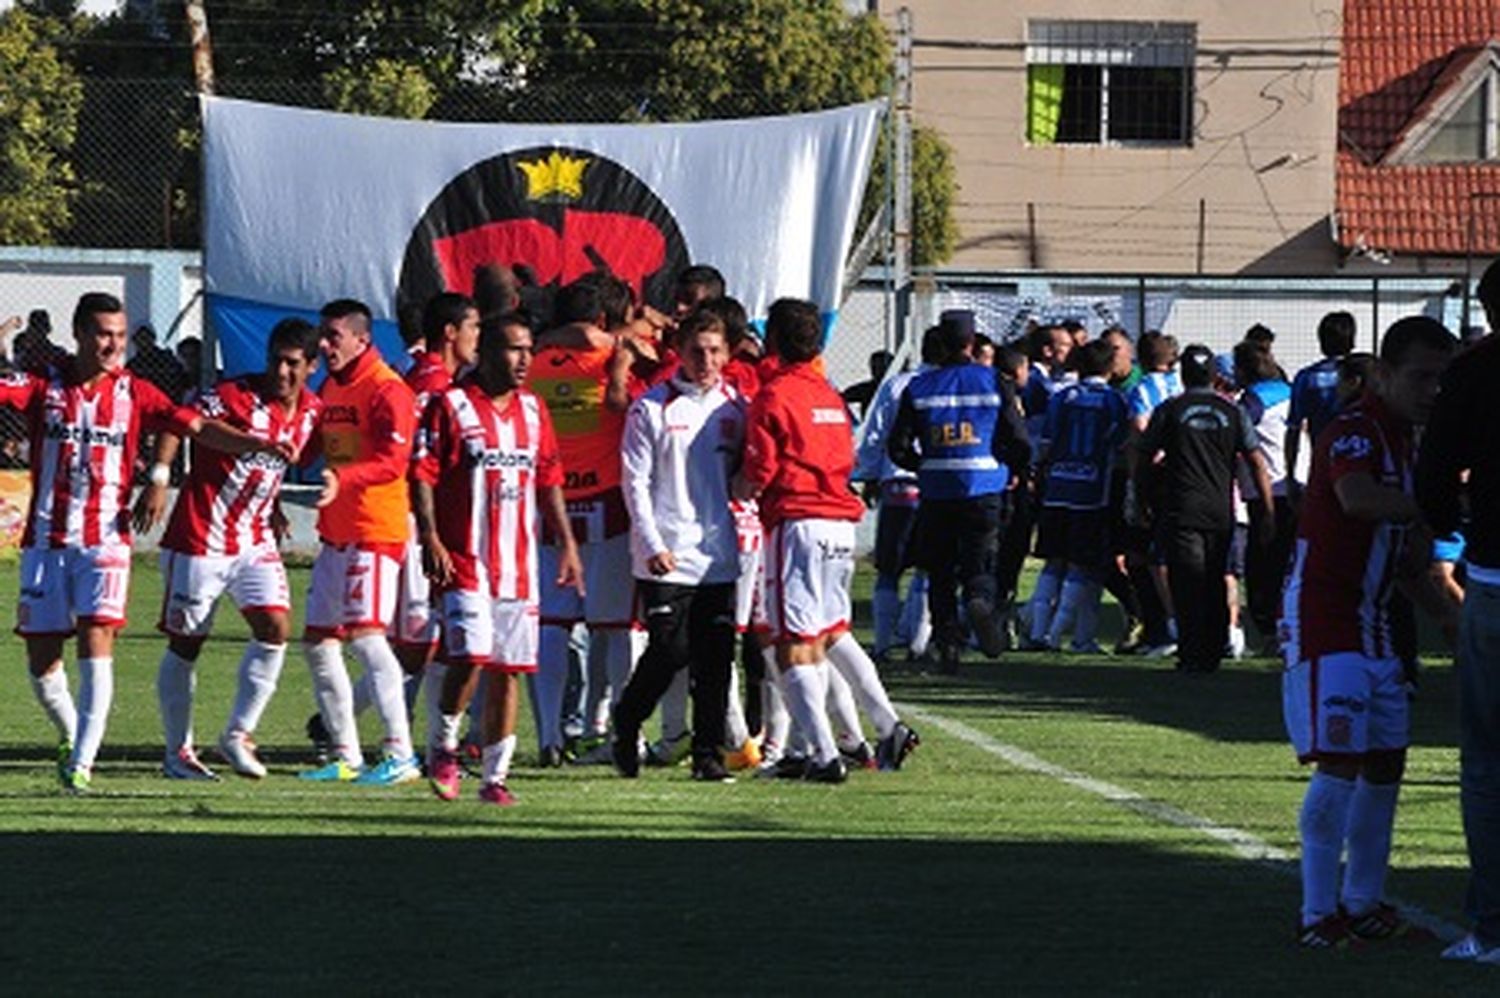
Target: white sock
<point>849,658</point>
<point>596,684</point>
<point>364,694</point>
<point>1372,816</point>
<point>885,607</point>
<point>1048,584</point>
<point>916,617</point>
<point>388,688</point>
<point>674,706</point>
<point>447,731</point>
<point>806,697</point>
<point>736,731</point>
<point>497,759</point>
<point>619,660</point>
<point>551,683</point>
<point>1086,630</point>
<point>175,682</point>
<point>325,660</point>
<point>778,722</point>
<point>1073,590</point>
<point>1325,815</point>
<point>96,691</point>
<point>842,712</point>
<point>432,700</point>
<point>52,693</point>
<point>260,670</point>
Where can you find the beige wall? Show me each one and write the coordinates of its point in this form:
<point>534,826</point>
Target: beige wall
<point>1265,89</point>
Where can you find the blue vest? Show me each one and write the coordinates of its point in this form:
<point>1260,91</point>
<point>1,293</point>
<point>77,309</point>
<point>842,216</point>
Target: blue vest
<point>958,410</point>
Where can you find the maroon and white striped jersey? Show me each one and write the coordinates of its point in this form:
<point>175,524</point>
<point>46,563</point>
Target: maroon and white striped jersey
<point>225,505</point>
<point>83,448</point>
<point>485,464</point>
<point>1337,595</point>
<point>427,378</point>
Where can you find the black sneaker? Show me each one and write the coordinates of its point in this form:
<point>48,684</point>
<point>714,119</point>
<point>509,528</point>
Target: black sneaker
<point>322,744</point>
<point>893,749</point>
<point>833,771</point>
<point>551,757</point>
<point>792,767</point>
<point>627,755</point>
<point>859,757</point>
<point>711,770</point>
<point>986,628</point>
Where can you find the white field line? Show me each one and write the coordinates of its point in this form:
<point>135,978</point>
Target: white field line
<point>1241,843</point>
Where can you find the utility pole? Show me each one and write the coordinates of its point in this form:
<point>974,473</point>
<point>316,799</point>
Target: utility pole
<point>902,216</point>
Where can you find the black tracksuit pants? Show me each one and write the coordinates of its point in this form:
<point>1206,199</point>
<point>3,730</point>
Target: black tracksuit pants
<point>1196,562</point>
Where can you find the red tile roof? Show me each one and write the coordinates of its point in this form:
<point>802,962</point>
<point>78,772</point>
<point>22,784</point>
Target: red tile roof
<point>1397,54</point>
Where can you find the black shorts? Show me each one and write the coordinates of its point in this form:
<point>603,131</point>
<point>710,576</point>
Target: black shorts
<point>1077,536</point>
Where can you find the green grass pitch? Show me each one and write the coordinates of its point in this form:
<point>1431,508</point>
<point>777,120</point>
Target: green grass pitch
<point>960,872</point>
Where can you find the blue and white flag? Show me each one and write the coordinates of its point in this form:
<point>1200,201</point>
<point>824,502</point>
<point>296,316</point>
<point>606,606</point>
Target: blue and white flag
<point>302,207</point>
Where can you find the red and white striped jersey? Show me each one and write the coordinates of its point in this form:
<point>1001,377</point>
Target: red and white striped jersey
<point>83,448</point>
<point>1337,595</point>
<point>225,505</point>
<point>485,464</point>
<point>427,377</point>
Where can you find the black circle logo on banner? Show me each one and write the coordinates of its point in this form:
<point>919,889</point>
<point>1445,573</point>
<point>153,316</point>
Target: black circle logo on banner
<point>561,212</point>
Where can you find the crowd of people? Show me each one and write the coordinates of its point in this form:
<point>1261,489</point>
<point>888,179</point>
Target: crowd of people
<point>479,514</point>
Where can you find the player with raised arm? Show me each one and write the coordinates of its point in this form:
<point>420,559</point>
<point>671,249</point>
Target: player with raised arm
<point>221,538</point>
<point>366,435</point>
<point>487,461</point>
<point>86,416</point>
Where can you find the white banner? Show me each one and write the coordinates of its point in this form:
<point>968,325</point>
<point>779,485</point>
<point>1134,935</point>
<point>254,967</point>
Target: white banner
<point>305,206</point>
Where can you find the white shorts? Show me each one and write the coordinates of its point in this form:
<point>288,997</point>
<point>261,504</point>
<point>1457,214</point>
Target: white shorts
<point>415,624</point>
<point>62,587</point>
<point>809,565</point>
<point>496,634</point>
<point>193,583</point>
<point>1345,704</point>
<point>352,586</point>
<point>609,588</point>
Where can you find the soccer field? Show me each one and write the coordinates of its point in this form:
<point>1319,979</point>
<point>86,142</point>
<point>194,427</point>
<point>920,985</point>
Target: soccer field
<point>1068,826</point>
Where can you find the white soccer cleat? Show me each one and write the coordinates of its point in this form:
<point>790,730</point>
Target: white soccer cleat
<point>238,750</point>
<point>186,765</point>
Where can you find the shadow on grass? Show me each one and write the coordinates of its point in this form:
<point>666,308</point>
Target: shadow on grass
<point>1239,703</point>
<point>496,915</point>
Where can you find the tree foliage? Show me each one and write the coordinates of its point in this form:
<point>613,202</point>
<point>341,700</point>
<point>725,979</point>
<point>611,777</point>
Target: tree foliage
<point>39,100</point>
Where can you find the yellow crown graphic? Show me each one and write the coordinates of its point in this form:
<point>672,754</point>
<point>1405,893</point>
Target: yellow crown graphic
<point>557,174</point>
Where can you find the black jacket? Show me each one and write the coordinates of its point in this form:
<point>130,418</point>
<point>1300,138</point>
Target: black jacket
<point>1464,433</point>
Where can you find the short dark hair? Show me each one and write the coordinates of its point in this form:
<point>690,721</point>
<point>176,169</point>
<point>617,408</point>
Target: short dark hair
<point>1253,363</point>
<point>1008,360</point>
<point>617,299</point>
<point>580,301</point>
<point>1093,359</point>
<point>444,309</point>
<point>736,321</point>
<point>932,345</point>
<point>1412,333</point>
<point>701,320</point>
<point>1336,334</point>
<point>1073,326</point>
<point>1198,364</point>
<point>1157,350</point>
<point>701,275</point>
<point>296,334</point>
<point>1038,340</point>
<point>342,308</point>
<point>1356,366</point>
<point>94,303</point>
<point>1261,334</point>
<point>795,329</point>
<point>497,288</point>
<point>492,327</point>
<point>1488,292</point>
<point>955,336</point>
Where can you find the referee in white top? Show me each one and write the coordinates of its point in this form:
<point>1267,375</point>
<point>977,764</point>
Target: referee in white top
<point>683,441</point>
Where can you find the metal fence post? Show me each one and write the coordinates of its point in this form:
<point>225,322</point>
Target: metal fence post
<point>902,216</point>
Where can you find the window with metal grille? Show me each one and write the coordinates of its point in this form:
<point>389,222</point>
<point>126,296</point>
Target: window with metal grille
<point>1109,82</point>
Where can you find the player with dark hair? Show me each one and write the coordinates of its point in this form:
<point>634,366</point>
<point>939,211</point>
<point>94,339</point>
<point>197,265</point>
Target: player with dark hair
<point>1360,536</point>
<point>1315,390</point>
<point>86,416</point>
<point>1266,399</point>
<point>221,538</point>
<point>696,286</point>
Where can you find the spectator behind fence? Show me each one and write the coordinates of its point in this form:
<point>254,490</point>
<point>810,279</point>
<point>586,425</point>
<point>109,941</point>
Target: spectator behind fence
<point>860,393</point>
<point>157,365</point>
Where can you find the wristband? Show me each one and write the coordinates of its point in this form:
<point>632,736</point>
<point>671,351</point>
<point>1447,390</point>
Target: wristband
<point>161,474</point>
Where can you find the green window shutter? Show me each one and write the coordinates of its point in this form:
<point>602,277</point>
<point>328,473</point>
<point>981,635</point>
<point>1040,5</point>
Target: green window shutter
<point>1044,96</point>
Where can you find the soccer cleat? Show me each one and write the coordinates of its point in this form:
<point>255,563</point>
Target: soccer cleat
<point>626,755</point>
<point>1164,650</point>
<point>1471,949</point>
<point>1131,641</point>
<point>390,771</point>
<point>1384,922</point>
<point>711,770</point>
<point>322,744</point>
<point>893,749</point>
<point>832,771</point>
<point>669,751</point>
<point>186,765</point>
<point>789,767</point>
<point>986,628</point>
<point>859,757</point>
<point>238,749</point>
<point>576,750</point>
<point>551,757</point>
<point>337,771</point>
<point>1329,932</point>
<point>747,756</point>
<point>444,774</point>
<point>496,793</point>
<point>79,781</point>
<point>1235,649</point>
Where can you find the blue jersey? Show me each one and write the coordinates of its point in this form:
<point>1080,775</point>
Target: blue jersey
<point>1449,548</point>
<point>1040,387</point>
<point>1085,426</point>
<point>1154,388</point>
<point>1315,396</point>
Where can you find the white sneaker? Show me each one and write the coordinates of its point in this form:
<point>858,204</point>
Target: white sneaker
<point>1471,949</point>
<point>1160,651</point>
<point>1236,647</point>
<point>186,765</point>
<point>238,749</point>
